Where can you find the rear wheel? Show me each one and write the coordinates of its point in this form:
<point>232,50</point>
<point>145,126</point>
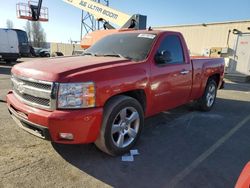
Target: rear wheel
<point>206,102</point>
<point>121,127</point>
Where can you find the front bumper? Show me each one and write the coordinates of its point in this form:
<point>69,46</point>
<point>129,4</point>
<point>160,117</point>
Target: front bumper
<point>84,124</point>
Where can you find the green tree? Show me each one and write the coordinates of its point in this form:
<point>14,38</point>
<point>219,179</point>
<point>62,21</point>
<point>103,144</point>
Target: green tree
<point>28,30</point>
<point>35,33</point>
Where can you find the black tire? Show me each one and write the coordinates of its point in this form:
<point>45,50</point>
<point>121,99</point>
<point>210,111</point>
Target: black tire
<point>112,112</point>
<point>206,102</point>
<point>9,61</point>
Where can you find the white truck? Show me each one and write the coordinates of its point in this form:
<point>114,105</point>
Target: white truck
<point>9,50</point>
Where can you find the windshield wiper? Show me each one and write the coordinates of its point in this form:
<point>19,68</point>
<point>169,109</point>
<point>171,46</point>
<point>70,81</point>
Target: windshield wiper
<point>112,55</point>
<point>116,55</point>
<point>88,53</point>
<point>107,55</point>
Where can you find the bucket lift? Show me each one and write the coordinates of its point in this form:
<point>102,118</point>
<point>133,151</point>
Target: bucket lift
<point>107,15</point>
<point>32,11</point>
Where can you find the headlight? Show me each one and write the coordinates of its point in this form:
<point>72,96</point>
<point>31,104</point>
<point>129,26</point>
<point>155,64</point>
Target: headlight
<point>76,95</point>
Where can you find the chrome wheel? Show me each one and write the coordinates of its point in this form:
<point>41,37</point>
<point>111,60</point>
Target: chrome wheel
<point>211,94</point>
<point>125,127</point>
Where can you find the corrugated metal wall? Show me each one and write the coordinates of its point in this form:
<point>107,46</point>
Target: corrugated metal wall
<point>200,37</point>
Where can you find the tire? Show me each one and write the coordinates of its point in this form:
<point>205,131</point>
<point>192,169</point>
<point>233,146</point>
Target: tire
<point>118,134</point>
<point>9,61</point>
<point>206,102</point>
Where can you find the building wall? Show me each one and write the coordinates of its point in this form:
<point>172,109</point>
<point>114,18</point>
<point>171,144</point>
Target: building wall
<point>66,49</point>
<point>199,37</point>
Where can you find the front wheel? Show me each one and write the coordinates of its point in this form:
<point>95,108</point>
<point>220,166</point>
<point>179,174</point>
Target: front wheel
<point>121,127</point>
<point>206,102</point>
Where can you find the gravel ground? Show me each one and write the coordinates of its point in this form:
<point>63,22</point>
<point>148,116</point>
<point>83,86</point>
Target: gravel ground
<point>179,148</point>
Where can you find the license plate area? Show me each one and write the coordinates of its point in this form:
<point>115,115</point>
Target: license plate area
<point>29,128</point>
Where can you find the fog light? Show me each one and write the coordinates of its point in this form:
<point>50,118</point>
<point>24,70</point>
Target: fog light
<point>66,136</point>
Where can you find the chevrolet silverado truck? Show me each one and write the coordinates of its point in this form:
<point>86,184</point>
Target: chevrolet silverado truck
<point>103,96</point>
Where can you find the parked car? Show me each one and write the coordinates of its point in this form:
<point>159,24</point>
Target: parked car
<point>37,50</point>
<point>104,95</point>
<point>8,45</point>
<point>42,52</point>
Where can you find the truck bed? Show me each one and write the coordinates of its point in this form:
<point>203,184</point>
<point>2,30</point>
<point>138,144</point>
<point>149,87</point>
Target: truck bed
<point>202,67</point>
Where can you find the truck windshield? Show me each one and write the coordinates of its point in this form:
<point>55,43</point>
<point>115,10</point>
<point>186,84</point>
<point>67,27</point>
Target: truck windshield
<point>133,46</point>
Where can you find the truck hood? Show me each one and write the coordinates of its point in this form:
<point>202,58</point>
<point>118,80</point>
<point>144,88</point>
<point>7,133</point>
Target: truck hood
<point>58,69</point>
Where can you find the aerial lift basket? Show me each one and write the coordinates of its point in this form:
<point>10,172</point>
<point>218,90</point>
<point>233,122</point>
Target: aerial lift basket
<point>24,11</point>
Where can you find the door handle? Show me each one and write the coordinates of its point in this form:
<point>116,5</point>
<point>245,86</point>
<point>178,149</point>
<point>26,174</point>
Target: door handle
<point>184,72</point>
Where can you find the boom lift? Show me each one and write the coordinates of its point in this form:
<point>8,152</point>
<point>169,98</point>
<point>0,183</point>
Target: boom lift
<point>35,12</point>
<point>106,14</point>
<point>32,11</point>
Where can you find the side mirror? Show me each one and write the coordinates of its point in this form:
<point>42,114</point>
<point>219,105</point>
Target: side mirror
<point>163,57</point>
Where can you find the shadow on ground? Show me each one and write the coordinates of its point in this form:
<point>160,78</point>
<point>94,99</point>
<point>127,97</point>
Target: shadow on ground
<point>170,142</point>
<point>6,68</point>
<point>245,87</point>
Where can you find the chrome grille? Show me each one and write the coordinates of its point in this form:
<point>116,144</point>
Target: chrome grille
<point>35,84</point>
<point>34,93</point>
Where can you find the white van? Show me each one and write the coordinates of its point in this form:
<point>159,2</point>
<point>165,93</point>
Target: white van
<point>9,50</point>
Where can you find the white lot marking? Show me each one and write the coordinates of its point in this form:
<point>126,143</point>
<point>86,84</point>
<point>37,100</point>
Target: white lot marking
<point>212,116</point>
<point>179,177</point>
<point>246,92</point>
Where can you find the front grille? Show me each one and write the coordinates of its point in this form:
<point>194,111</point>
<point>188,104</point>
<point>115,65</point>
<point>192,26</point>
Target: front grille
<point>34,93</point>
<point>32,99</point>
<point>35,84</point>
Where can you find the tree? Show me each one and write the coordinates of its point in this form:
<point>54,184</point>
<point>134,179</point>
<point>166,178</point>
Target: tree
<point>9,24</point>
<point>28,30</point>
<point>35,33</point>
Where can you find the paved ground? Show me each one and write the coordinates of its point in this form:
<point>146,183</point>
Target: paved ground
<point>180,148</point>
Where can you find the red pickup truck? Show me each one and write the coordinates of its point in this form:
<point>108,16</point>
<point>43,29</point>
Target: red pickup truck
<point>104,95</point>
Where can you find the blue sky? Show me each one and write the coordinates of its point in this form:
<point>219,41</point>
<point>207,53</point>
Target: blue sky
<point>64,19</point>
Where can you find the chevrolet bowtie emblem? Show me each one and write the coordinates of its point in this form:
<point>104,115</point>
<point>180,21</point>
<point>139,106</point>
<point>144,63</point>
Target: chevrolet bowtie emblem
<point>20,87</point>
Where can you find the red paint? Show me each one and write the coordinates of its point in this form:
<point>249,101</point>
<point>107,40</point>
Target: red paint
<point>244,178</point>
<point>165,87</point>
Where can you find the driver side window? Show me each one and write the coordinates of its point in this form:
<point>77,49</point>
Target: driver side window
<point>171,50</point>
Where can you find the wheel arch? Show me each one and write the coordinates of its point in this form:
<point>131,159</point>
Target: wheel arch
<point>215,77</point>
<point>137,94</point>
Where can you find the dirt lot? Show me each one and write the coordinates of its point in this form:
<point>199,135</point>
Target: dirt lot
<point>180,148</point>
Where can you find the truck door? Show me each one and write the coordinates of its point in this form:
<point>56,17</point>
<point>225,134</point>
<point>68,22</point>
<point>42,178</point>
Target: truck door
<point>172,78</point>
